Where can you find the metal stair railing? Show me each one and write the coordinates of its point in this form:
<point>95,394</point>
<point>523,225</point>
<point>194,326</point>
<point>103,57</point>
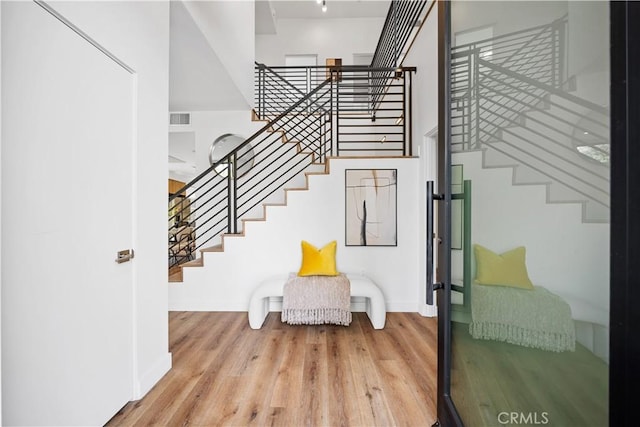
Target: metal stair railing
<point>538,53</point>
<point>277,88</point>
<point>509,95</point>
<point>503,104</point>
<point>401,25</point>
<point>558,158</point>
<point>360,129</point>
<point>216,200</point>
<point>306,123</point>
<point>370,125</point>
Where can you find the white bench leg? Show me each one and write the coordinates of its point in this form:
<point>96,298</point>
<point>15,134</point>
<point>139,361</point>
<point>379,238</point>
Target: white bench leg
<point>377,312</point>
<point>258,311</point>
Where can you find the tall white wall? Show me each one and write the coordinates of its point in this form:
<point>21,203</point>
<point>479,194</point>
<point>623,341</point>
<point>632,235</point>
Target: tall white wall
<point>424,56</point>
<point>229,27</point>
<point>138,33</point>
<point>318,216</point>
<point>327,38</point>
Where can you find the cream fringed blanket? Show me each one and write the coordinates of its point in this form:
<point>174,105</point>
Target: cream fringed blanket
<point>537,318</point>
<point>315,300</point>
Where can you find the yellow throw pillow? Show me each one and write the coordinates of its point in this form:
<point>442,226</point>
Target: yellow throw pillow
<point>507,269</point>
<point>318,262</point>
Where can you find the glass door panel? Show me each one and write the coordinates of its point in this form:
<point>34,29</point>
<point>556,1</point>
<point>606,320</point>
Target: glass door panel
<point>530,212</point>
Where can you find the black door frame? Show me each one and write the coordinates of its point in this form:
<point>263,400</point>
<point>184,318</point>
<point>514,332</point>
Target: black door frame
<point>447,414</point>
<point>624,375</point>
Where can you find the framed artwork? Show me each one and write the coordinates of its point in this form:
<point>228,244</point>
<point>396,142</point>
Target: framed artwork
<point>371,207</point>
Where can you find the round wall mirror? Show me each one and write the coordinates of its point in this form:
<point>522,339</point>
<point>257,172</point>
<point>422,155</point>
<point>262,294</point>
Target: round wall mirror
<point>225,144</point>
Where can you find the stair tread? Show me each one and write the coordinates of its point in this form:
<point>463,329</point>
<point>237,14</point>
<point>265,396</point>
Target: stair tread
<point>194,263</point>
<point>215,248</point>
<point>253,219</point>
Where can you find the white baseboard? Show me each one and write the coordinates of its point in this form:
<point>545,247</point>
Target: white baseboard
<point>204,305</point>
<point>148,379</point>
<point>358,304</point>
<point>428,310</point>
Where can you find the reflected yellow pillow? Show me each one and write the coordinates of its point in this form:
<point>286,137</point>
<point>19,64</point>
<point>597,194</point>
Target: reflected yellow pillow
<point>318,262</point>
<point>507,269</point>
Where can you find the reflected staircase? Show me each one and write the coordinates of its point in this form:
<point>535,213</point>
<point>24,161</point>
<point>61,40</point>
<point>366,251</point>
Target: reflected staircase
<point>512,99</point>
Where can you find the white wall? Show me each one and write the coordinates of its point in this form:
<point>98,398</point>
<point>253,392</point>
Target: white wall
<point>328,38</point>
<point>563,254</point>
<point>199,79</point>
<point>229,27</point>
<point>138,33</point>
<point>424,56</point>
<point>318,216</point>
<point>208,125</point>
<point>0,224</point>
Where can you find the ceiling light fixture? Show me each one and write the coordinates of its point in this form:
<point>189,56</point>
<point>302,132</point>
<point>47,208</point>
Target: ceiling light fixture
<point>318,1</point>
<point>324,5</point>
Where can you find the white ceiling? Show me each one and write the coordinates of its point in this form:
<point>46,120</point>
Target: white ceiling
<point>310,9</point>
<point>198,80</point>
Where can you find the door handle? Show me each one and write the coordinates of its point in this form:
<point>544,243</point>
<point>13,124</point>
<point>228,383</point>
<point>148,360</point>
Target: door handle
<point>125,256</point>
<point>431,197</point>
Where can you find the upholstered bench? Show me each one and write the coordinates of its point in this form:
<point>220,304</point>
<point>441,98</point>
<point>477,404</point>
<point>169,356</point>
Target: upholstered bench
<point>361,286</point>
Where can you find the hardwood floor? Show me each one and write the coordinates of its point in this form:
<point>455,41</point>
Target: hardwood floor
<point>568,389</point>
<point>225,373</point>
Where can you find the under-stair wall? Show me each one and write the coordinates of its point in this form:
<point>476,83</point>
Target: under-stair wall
<point>272,247</point>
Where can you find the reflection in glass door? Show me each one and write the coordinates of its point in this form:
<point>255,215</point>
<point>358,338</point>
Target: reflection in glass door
<point>529,141</point>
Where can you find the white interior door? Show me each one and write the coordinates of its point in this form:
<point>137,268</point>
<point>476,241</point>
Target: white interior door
<point>67,140</point>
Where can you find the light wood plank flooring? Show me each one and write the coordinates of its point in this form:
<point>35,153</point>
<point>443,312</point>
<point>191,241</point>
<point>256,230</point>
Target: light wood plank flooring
<point>225,373</point>
<point>568,389</point>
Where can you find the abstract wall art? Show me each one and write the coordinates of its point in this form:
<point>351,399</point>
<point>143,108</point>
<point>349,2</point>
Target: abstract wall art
<point>371,207</point>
